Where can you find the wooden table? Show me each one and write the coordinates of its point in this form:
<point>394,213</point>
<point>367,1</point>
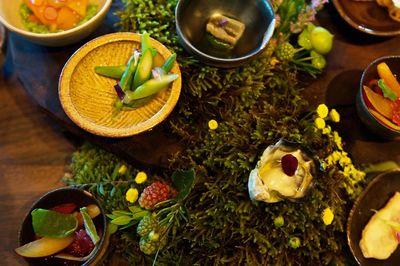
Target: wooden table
<point>35,149</point>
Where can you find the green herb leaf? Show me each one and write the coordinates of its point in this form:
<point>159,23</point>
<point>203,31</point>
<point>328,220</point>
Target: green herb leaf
<point>122,220</point>
<point>53,224</point>
<point>90,228</point>
<point>387,92</point>
<point>184,182</point>
<point>112,228</point>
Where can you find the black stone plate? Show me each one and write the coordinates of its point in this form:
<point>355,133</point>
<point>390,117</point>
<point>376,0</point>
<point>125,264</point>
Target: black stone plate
<point>374,197</point>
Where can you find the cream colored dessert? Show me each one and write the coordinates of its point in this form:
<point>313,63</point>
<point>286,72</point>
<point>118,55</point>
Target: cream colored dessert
<point>269,183</point>
<point>378,238</point>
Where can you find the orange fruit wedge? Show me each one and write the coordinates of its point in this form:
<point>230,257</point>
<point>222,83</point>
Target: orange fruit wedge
<point>384,120</point>
<point>378,102</point>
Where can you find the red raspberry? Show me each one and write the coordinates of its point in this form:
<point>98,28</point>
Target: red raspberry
<point>82,244</point>
<point>155,193</point>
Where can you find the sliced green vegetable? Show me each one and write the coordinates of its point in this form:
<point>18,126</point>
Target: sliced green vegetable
<point>90,228</point>
<point>127,76</point>
<point>50,223</point>
<point>150,87</point>
<point>137,103</point>
<point>114,72</point>
<point>169,63</point>
<point>146,44</point>
<point>387,92</point>
<point>143,70</point>
<point>218,44</point>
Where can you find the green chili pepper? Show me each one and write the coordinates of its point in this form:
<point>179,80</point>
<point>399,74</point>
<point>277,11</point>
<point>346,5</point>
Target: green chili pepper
<point>146,44</point>
<point>90,228</point>
<point>127,76</point>
<point>150,87</point>
<point>114,72</point>
<point>169,63</point>
<point>143,70</point>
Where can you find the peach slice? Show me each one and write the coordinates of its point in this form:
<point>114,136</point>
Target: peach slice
<point>66,19</point>
<point>378,102</point>
<point>386,74</point>
<point>44,246</point>
<point>384,120</point>
<point>79,6</point>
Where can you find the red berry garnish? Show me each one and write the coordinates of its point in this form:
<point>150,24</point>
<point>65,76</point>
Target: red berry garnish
<point>289,164</point>
<point>82,244</point>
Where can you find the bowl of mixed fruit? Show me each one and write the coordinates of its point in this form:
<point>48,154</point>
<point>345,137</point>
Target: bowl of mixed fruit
<point>53,22</point>
<point>66,226</point>
<point>378,98</point>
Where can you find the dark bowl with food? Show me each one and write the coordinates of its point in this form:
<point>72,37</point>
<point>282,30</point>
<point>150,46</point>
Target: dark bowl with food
<point>80,250</point>
<point>224,33</point>
<point>377,111</point>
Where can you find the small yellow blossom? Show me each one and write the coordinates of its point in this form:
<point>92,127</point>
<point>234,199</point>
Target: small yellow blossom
<point>327,216</point>
<point>338,140</point>
<point>132,195</point>
<point>334,116</point>
<point>319,123</point>
<point>141,177</point>
<point>326,130</point>
<point>213,124</point>
<point>122,169</point>
<point>322,110</point>
<point>274,61</point>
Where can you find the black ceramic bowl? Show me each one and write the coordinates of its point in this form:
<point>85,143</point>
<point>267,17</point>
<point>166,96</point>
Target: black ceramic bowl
<point>366,117</point>
<point>374,197</point>
<point>192,16</point>
<point>51,199</point>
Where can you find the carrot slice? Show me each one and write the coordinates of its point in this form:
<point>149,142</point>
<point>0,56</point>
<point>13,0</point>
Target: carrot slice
<point>50,13</point>
<point>386,74</point>
<point>56,3</point>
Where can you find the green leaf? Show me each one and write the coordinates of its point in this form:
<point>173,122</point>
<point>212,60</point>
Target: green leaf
<point>100,189</point>
<point>90,228</point>
<point>387,92</point>
<point>112,228</point>
<point>112,192</point>
<point>121,213</point>
<point>53,224</point>
<point>184,182</point>
<point>122,220</point>
<point>135,209</point>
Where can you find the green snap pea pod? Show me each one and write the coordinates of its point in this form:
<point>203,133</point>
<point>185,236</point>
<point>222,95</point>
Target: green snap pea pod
<point>137,103</point>
<point>169,63</point>
<point>129,72</point>
<point>143,70</point>
<point>150,87</point>
<point>90,228</point>
<point>114,72</point>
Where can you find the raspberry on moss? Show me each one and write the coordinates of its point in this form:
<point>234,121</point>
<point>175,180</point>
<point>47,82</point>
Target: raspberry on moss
<point>155,193</point>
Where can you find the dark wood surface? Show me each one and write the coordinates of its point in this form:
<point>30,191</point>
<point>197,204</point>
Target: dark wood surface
<point>35,146</point>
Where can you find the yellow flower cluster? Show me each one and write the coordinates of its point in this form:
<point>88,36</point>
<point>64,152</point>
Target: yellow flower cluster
<point>212,124</point>
<point>322,115</point>
<point>132,195</point>
<point>327,216</point>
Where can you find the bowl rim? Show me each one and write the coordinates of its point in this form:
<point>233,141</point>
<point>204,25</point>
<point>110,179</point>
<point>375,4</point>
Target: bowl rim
<point>362,82</point>
<point>267,36</point>
<point>79,190</point>
<point>101,130</point>
<point>100,13</point>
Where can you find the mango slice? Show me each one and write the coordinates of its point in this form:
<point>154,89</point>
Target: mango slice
<point>384,120</point>
<point>379,103</point>
<point>386,74</point>
<point>44,247</point>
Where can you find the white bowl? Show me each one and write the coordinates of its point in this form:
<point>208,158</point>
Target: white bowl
<point>11,18</point>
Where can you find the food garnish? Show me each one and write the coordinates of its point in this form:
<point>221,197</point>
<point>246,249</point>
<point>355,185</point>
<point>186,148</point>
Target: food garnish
<point>379,237</point>
<point>393,7</point>
<point>382,97</point>
<point>141,79</point>
<point>43,16</point>
<point>53,224</point>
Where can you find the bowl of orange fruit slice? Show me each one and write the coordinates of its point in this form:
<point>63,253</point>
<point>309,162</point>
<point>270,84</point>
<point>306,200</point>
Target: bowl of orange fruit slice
<point>53,22</point>
<point>378,98</point>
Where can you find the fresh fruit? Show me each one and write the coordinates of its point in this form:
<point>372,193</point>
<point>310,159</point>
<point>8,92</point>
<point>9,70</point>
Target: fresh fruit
<point>155,193</point>
<point>318,61</point>
<point>148,246</point>
<point>384,120</point>
<point>386,74</point>
<point>321,40</point>
<point>82,244</point>
<point>285,51</point>
<point>378,102</point>
<point>44,246</point>
<point>146,225</point>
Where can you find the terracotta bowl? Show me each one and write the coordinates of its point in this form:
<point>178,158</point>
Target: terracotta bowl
<point>88,98</point>
<point>11,18</point>
<point>375,125</point>
<point>56,197</point>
